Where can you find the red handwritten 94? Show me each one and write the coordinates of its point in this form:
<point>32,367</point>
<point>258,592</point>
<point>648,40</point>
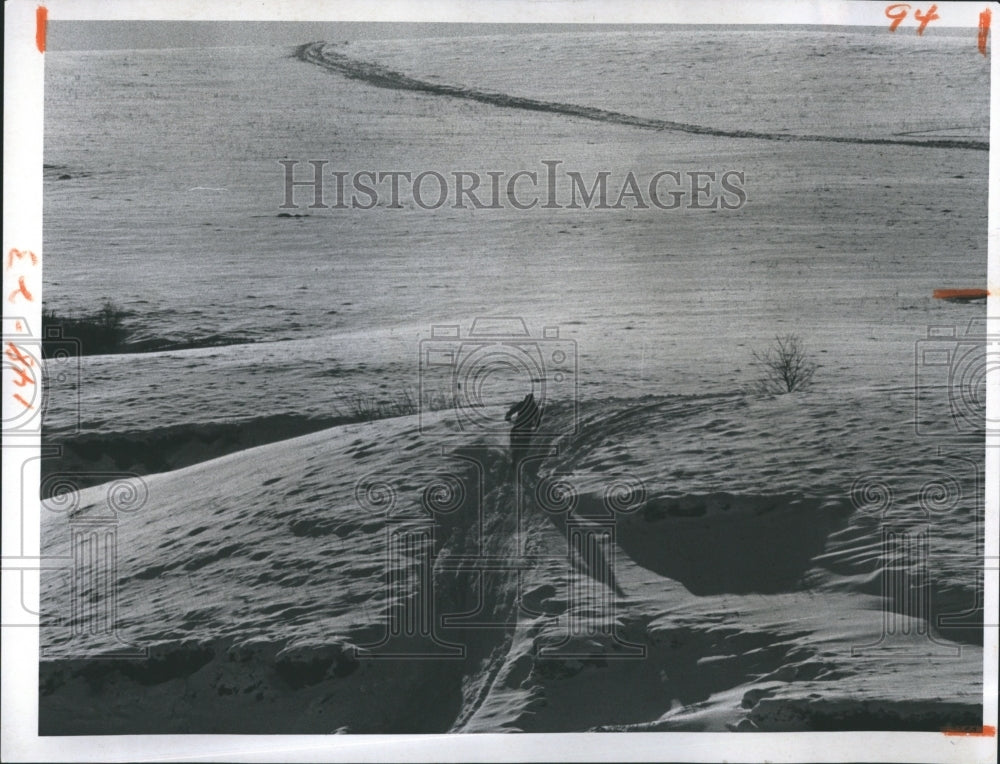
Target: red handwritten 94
<point>897,12</point>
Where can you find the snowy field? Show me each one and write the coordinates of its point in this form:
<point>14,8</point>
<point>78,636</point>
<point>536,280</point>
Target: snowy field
<point>680,551</point>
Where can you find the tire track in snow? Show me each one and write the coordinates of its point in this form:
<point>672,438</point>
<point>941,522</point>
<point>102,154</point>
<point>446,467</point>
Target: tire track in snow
<point>320,54</point>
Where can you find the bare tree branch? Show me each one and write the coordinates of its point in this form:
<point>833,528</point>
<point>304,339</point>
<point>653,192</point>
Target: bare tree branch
<point>785,366</point>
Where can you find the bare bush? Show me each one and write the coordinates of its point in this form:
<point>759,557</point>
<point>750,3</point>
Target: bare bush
<point>100,332</point>
<point>366,408</point>
<point>785,366</point>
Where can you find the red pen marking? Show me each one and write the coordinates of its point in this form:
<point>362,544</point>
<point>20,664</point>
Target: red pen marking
<point>960,294</point>
<point>19,254</point>
<point>985,731</point>
<point>25,378</point>
<point>22,289</point>
<point>41,20</point>
<point>14,353</point>
<point>984,29</point>
<point>896,16</point>
<point>925,19</point>
<point>27,405</point>
<point>19,326</point>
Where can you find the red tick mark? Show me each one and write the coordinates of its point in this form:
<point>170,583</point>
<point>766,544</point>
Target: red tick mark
<point>960,294</point>
<point>984,29</point>
<point>41,19</point>
<point>985,731</point>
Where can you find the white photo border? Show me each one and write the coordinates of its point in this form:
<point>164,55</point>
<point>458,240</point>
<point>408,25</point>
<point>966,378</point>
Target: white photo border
<point>23,102</point>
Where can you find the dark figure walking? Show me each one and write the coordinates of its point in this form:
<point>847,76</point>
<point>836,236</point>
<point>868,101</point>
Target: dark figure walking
<point>526,416</point>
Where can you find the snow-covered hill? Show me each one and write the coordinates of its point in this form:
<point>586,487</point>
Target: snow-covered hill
<point>695,563</point>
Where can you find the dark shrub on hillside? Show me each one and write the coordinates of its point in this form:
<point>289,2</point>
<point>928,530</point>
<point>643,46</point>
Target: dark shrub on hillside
<point>93,334</point>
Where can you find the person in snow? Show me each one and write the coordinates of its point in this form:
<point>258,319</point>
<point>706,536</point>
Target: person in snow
<point>526,416</point>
